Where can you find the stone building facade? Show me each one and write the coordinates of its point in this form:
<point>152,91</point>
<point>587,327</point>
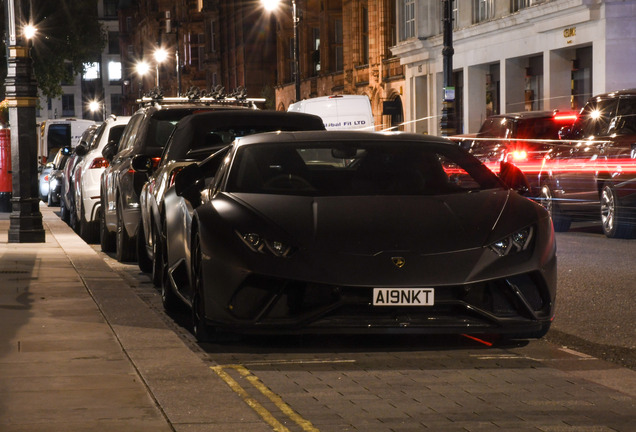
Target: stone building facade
<point>344,48</point>
<point>513,55</point>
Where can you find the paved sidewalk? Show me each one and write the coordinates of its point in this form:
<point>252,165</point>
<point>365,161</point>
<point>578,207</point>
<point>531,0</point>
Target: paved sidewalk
<point>80,352</point>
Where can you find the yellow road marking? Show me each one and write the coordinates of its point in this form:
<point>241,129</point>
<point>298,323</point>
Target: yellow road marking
<point>255,405</point>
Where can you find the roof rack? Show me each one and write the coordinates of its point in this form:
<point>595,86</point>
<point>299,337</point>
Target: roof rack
<point>194,94</point>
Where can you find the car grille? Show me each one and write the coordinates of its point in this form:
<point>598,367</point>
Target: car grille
<point>270,301</point>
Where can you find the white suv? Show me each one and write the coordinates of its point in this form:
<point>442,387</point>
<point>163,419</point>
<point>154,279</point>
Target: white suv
<point>87,177</point>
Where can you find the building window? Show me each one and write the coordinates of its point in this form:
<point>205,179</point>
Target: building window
<point>391,29</point>
<point>455,14</point>
<point>516,5</point>
<point>68,105</point>
<point>197,46</point>
<point>338,60</point>
<point>91,71</point>
<point>407,19</point>
<point>364,37</point>
<point>114,71</point>
<point>483,10</point>
<point>113,42</point>
<point>315,53</point>
<point>212,39</point>
<point>115,104</point>
<point>110,8</point>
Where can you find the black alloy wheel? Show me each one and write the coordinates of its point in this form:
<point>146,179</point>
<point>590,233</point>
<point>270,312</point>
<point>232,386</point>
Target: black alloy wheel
<point>560,222</point>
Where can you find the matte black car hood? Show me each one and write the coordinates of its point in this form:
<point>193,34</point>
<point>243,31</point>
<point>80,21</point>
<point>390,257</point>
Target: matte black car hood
<point>368,225</point>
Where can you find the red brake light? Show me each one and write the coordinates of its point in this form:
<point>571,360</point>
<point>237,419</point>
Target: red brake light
<point>98,163</point>
<point>565,117</point>
<point>46,177</point>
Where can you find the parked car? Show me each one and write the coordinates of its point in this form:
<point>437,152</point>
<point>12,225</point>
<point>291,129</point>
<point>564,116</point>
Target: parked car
<point>45,176</point>
<point>67,193</point>
<point>87,175</point>
<point>592,174</point>
<point>49,178</point>
<point>522,138</point>
<point>196,137</point>
<point>146,134</point>
<point>357,232</point>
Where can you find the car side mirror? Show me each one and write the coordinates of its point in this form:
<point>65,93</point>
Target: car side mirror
<point>142,163</point>
<point>81,149</point>
<point>109,151</point>
<point>188,183</point>
<point>514,178</point>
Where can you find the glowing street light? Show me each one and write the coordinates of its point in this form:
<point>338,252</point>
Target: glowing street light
<point>96,106</point>
<point>142,68</point>
<point>161,54</point>
<point>272,5</point>
<point>29,31</point>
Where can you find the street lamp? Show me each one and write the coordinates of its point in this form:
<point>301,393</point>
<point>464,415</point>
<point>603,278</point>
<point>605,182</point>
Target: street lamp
<point>142,68</point>
<point>21,94</point>
<point>272,5</point>
<point>96,106</point>
<point>160,56</point>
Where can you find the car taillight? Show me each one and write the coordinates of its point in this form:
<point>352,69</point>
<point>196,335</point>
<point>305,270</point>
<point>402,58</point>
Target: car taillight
<point>46,177</point>
<point>155,162</point>
<point>98,163</point>
<point>519,155</point>
<point>566,117</point>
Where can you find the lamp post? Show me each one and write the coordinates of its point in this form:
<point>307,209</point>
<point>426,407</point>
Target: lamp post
<point>447,124</point>
<point>160,56</point>
<point>21,92</point>
<point>271,5</point>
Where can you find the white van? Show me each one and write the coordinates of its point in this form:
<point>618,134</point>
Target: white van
<point>339,112</point>
<point>57,133</point>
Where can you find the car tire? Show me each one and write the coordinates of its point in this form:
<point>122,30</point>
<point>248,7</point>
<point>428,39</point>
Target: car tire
<point>63,211</point>
<point>616,220</point>
<point>143,260</point>
<point>159,257</point>
<point>200,328</point>
<point>89,231</point>
<point>125,248</point>
<point>106,238</point>
<point>560,222</point>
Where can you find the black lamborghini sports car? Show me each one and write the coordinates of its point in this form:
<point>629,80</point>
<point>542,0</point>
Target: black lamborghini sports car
<point>357,232</point>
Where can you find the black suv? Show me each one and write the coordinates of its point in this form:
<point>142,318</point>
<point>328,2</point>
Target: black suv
<point>592,174</point>
<point>522,138</point>
<point>146,134</point>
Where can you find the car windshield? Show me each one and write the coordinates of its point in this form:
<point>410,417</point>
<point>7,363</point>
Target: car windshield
<point>357,168</point>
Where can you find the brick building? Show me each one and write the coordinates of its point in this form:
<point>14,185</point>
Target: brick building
<point>343,49</point>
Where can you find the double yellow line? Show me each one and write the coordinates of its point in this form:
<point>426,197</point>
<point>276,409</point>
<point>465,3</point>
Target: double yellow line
<point>269,418</point>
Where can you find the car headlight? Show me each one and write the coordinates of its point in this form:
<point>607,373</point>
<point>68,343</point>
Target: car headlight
<point>258,243</point>
<point>514,243</point>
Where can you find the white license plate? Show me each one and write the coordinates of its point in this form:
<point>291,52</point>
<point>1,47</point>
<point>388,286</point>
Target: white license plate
<point>403,296</point>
